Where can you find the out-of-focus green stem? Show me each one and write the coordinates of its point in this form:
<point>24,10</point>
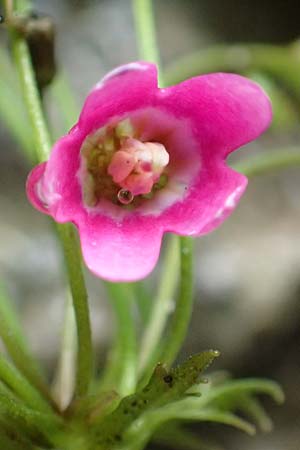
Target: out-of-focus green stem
<point>143,300</point>
<point>64,98</point>
<point>66,232</point>
<point>269,162</point>
<point>19,384</point>
<point>15,343</point>
<point>41,136</point>
<point>121,371</point>
<point>13,115</point>
<point>161,309</point>
<point>145,30</point>
<point>183,310</point>
<point>145,26</point>
<point>280,62</point>
<point>64,382</point>
<point>80,302</point>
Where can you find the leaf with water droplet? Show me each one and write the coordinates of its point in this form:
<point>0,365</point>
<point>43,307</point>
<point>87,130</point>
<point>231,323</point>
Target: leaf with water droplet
<point>164,387</point>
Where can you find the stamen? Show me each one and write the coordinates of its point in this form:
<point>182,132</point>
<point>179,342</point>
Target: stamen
<point>125,196</point>
<point>119,167</point>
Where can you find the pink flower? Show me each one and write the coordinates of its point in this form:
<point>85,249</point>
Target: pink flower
<point>142,161</point>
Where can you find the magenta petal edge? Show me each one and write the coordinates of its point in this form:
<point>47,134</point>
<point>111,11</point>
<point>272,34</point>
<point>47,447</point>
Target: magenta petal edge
<point>142,161</point>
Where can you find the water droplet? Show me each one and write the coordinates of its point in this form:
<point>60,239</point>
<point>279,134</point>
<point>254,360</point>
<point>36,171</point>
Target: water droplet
<point>125,197</point>
<point>204,380</point>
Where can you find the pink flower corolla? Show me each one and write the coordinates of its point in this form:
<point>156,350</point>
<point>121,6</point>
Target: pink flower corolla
<point>142,161</point>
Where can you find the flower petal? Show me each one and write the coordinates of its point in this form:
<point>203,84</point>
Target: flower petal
<point>33,188</point>
<point>226,110</point>
<point>53,187</point>
<point>208,203</point>
<point>120,251</point>
<point>124,89</point>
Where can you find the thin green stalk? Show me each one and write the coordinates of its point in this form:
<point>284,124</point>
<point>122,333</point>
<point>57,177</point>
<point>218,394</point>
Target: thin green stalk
<point>66,232</point>
<point>63,96</point>
<point>145,26</point>
<point>15,343</point>
<point>161,309</point>
<point>80,302</point>
<point>41,136</point>
<point>21,386</point>
<point>280,62</point>
<point>64,383</point>
<point>14,118</point>
<point>269,162</point>
<point>145,30</point>
<point>121,371</point>
<point>143,300</point>
<point>183,311</point>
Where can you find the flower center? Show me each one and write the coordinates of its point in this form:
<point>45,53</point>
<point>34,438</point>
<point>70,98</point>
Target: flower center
<point>119,167</point>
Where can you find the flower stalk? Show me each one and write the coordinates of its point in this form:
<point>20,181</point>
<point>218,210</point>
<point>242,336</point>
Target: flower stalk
<point>145,31</point>
<point>121,371</point>
<point>72,254</point>
<point>148,50</point>
<point>184,305</point>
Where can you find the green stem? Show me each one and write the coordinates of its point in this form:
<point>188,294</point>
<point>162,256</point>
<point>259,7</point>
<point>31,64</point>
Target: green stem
<point>280,62</point>
<point>15,343</point>
<point>182,314</point>
<point>66,232</point>
<point>145,26</point>
<point>145,30</point>
<point>72,255</point>
<point>41,136</point>
<point>162,306</point>
<point>11,107</point>
<point>63,96</point>
<point>271,161</point>
<point>121,371</point>
<point>27,419</point>
<point>64,381</point>
<point>143,300</point>
<point>19,384</point>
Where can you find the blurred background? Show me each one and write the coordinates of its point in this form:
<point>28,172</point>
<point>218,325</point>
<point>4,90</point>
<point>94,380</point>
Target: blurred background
<point>247,272</point>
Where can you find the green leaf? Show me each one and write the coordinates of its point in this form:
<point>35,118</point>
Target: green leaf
<point>255,411</point>
<point>215,404</point>
<point>231,389</point>
<point>164,387</point>
<point>216,415</point>
<point>140,432</point>
<point>175,436</point>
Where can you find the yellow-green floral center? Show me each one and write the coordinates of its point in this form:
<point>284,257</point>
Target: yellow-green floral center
<point>119,167</point>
